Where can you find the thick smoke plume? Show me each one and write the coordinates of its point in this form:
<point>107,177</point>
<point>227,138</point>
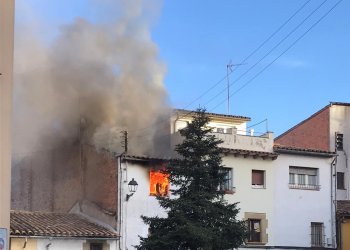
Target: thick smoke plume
<point>91,81</point>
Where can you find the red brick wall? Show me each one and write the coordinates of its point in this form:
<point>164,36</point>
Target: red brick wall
<point>100,178</point>
<point>312,133</point>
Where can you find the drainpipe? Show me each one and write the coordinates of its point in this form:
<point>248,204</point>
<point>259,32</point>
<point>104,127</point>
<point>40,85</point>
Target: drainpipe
<point>333,199</point>
<point>120,200</point>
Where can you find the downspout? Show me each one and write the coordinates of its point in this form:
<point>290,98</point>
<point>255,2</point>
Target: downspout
<point>120,200</point>
<point>333,200</point>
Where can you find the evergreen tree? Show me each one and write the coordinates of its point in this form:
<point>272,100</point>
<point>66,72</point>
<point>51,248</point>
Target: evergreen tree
<point>197,215</point>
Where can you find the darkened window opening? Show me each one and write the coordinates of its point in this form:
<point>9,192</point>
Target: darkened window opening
<point>340,180</point>
<point>96,246</point>
<point>254,230</point>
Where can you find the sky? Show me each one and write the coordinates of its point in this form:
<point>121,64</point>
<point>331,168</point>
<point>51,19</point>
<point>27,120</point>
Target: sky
<point>297,71</point>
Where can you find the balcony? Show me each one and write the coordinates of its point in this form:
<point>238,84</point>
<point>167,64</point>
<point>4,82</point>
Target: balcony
<point>304,186</point>
<point>262,143</point>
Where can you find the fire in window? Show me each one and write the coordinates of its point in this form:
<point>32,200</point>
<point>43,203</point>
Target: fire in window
<point>159,183</point>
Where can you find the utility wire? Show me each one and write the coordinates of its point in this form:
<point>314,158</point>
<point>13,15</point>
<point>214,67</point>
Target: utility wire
<point>292,45</point>
<point>222,79</point>
<point>269,52</point>
<point>251,54</point>
<point>253,66</point>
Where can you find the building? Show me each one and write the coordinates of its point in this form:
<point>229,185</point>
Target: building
<point>303,198</point>
<point>248,164</point>
<point>6,75</point>
<point>57,231</point>
<point>327,130</point>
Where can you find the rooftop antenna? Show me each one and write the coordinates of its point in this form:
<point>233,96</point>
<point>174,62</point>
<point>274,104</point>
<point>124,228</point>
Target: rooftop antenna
<point>228,73</point>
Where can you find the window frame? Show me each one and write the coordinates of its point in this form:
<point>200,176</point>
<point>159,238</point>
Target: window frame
<point>342,174</point>
<point>251,234</point>
<point>227,187</point>
<point>306,178</point>
<point>93,246</point>
<point>152,174</point>
<point>263,173</point>
<point>317,234</point>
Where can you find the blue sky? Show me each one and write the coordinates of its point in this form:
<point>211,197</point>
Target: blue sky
<point>197,39</point>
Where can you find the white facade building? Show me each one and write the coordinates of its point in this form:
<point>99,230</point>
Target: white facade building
<point>303,199</point>
<point>249,163</point>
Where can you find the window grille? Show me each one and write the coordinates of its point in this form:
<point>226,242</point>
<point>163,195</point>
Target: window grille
<point>303,178</point>
<point>316,234</point>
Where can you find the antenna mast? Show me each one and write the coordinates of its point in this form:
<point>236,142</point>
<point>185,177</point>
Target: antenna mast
<point>228,73</point>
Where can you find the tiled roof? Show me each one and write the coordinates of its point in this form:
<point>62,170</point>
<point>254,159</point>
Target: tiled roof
<point>46,224</point>
<point>145,158</point>
<point>251,153</point>
<point>343,208</point>
<point>190,113</point>
<point>297,150</point>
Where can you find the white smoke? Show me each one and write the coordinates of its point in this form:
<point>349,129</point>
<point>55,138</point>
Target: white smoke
<point>93,79</point>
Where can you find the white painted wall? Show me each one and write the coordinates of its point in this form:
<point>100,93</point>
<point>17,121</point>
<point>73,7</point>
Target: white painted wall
<point>67,244</point>
<point>340,122</point>
<point>252,199</point>
<point>295,209</point>
<point>141,203</point>
<point>56,244</point>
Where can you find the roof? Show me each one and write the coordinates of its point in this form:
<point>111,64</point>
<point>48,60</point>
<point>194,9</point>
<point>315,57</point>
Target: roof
<point>189,113</point>
<point>302,122</point>
<point>313,115</point>
<point>302,151</point>
<point>343,208</point>
<point>47,224</point>
<point>340,103</point>
<point>251,153</point>
<point>145,158</point>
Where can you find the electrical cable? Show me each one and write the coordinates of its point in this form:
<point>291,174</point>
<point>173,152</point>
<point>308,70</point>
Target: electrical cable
<point>288,48</point>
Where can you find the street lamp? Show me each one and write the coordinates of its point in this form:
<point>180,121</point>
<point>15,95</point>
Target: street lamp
<point>132,188</point>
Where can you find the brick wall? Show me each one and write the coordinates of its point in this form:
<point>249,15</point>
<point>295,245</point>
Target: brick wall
<point>312,133</point>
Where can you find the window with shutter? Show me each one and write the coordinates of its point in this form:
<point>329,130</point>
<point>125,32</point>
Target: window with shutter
<point>258,178</point>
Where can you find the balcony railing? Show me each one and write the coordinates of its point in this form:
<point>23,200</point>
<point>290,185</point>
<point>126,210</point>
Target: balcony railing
<point>304,186</point>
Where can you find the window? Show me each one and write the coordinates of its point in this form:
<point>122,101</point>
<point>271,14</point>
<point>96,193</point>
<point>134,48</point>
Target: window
<point>227,185</point>
<point>254,230</point>
<point>159,183</point>
<point>258,178</point>
<point>340,180</point>
<point>339,142</point>
<point>96,246</point>
<point>316,234</point>
<point>303,178</point>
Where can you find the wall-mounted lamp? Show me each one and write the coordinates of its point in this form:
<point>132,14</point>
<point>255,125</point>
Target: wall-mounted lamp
<point>132,188</point>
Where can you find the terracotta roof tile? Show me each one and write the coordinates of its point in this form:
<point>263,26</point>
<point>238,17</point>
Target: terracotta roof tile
<point>25,223</point>
<point>343,207</point>
<point>252,153</point>
<point>280,148</point>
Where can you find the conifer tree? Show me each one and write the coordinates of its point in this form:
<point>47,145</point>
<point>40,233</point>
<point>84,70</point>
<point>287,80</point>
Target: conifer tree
<point>198,218</point>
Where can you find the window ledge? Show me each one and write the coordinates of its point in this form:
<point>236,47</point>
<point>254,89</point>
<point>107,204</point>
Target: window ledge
<point>258,187</point>
<point>305,187</point>
<point>230,191</point>
<point>256,243</point>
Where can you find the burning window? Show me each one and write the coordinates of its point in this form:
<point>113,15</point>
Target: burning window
<point>159,183</point>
